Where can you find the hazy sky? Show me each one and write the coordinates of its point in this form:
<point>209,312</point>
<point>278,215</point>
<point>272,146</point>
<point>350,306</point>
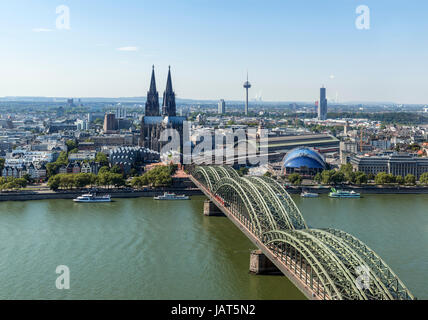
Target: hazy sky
<point>289,47</point>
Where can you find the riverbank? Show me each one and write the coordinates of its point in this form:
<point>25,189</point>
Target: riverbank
<point>184,186</point>
<point>71,194</point>
<point>369,189</point>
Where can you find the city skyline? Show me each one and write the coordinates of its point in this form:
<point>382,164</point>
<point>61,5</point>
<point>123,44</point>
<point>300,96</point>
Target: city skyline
<point>109,49</point>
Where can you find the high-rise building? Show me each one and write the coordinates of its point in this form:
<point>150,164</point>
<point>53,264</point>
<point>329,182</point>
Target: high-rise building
<point>247,85</point>
<point>110,123</point>
<point>221,107</point>
<point>322,107</point>
<point>168,105</point>
<point>120,111</point>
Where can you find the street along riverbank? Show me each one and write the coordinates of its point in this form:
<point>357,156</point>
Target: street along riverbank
<point>115,193</point>
<point>186,187</point>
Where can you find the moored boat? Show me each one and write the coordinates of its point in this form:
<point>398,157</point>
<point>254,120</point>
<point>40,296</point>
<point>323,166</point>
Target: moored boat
<point>306,194</point>
<point>343,194</point>
<point>92,197</point>
<point>171,196</point>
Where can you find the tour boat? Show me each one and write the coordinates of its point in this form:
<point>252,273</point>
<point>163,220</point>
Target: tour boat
<point>171,196</point>
<point>343,194</point>
<point>92,197</point>
<point>306,194</point>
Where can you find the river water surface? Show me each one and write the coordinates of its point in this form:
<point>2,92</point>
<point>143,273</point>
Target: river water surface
<point>146,249</point>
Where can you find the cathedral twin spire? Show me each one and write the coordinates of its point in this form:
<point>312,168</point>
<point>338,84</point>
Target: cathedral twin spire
<point>152,103</point>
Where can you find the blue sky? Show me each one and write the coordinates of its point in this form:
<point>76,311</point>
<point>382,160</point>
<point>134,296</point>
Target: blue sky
<point>289,47</point>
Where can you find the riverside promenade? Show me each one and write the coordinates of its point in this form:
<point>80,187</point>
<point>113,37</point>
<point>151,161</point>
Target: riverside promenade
<point>115,193</point>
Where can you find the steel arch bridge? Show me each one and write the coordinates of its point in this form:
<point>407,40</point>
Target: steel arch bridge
<point>328,263</point>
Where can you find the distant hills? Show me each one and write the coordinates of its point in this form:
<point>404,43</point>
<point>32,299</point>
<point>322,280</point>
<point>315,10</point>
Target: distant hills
<point>141,100</point>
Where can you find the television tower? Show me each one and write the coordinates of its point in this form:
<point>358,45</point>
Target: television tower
<point>247,85</point>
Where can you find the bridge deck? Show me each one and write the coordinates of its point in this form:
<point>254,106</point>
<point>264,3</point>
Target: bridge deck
<point>288,266</point>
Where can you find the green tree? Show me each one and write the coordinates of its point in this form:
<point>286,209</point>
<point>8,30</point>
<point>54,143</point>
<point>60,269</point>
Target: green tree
<point>295,178</point>
<point>20,182</point>
<point>104,169</point>
<point>54,182</point>
<point>133,172</point>
<point>98,121</point>
<point>410,179</point>
<point>243,171</point>
<point>360,178</point>
<point>116,179</point>
<point>27,177</point>
<point>116,169</point>
<point>158,177</point>
<point>136,182</point>
<point>82,180</point>
<point>326,176</point>
<point>62,159</point>
<point>103,179</point>
<point>318,178</point>
<point>268,174</point>
<point>424,178</point>
<point>11,183</point>
<point>391,178</point>
<point>173,168</point>
<point>67,180</point>
<point>52,168</point>
<point>384,178</point>
<point>348,172</point>
<point>102,159</point>
<point>71,144</point>
<point>399,179</point>
<point>1,164</point>
<point>338,177</point>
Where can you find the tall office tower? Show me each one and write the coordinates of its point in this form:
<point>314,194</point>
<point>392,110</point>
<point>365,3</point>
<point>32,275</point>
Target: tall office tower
<point>221,107</point>
<point>110,123</point>
<point>120,111</point>
<point>322,108</point>
<point>168,105</point>
<point>152,102</point>
<point>247,85</point>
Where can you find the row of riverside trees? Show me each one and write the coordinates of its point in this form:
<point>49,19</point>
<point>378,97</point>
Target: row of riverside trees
<point>106,178</point>
<point>160,176</point>
<point>11,183</point>
<point>346,174</point>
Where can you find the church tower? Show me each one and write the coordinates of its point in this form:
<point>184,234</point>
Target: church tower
<point>152,103</point>
<point>168,106</point>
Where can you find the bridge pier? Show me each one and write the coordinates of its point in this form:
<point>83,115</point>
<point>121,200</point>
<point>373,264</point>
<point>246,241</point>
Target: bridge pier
<point>210,209</point>
<point>260,264</point>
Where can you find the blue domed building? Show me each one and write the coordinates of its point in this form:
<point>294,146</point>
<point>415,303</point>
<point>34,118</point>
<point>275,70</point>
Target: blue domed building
<point>303,160</point>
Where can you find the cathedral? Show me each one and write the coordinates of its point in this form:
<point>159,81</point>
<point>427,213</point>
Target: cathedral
<point>153,122</point>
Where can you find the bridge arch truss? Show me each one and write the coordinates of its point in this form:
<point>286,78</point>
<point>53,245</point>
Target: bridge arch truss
<point>332,262</point>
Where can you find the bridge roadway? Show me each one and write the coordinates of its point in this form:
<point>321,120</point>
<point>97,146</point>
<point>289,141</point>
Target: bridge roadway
<point>287,266</point>
<point>324,264</point>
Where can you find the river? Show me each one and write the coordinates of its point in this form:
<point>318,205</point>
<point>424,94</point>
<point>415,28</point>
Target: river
<point>145,249</point>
